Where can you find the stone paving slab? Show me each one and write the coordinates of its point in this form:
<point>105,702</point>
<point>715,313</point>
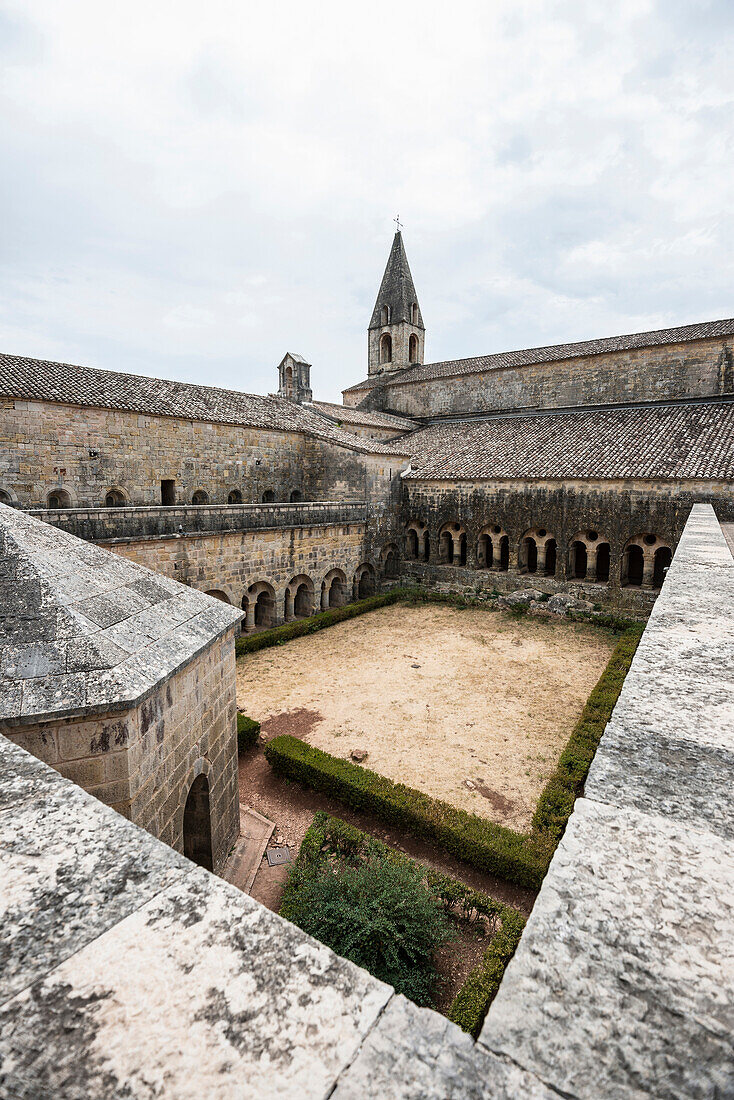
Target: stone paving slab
<point>415,1054</point>
<point>623,985</point>
<point>200,993</point>
<point>62,887</point>
<point>244,862</point>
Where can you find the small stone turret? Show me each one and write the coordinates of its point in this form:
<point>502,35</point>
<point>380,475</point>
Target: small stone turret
<point>294,378</point>
<point>396,335</point>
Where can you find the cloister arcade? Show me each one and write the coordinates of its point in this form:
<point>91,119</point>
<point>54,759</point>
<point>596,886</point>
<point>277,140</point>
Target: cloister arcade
<point>587,556</point>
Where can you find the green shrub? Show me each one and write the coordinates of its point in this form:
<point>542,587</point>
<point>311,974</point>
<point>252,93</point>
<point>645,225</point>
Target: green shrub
<point>381,916</point>
<point>471,1003</point>
<point>330,838</point>
<point>498,851</point>
<point>248,731</point>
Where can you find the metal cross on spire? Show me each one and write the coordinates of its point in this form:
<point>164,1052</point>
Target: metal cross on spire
<point>398,223</point>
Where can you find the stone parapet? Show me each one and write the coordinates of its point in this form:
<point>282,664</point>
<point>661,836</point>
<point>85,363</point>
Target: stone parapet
<point>103,524</point>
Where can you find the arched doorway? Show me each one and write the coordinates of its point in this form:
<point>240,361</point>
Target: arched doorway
<point>635,564</point>
<point>364,582</point>
<point>602,562</point>
<point>578,560</point>
<point>550,558</point>
<point>663,558</point>
<point>197,831</point>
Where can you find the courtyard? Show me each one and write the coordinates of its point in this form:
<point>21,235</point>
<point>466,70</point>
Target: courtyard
<point>471,706</point>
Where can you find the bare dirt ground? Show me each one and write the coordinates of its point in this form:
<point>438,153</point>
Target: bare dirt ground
<point>473,707</point>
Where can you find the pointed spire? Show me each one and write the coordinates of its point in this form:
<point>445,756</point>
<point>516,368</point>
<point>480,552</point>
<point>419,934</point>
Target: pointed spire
<point>397,291</point>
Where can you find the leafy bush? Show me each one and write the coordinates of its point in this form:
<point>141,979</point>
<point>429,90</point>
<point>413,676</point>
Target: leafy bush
<point>248,731</point>
<point>381,916</point>
<point>330,838</point>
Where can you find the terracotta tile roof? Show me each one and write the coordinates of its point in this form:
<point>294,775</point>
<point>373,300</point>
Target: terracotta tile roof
<point>667,441</point>
<point>347,415</point>
<point>552,354</point>
<point>41,380</point>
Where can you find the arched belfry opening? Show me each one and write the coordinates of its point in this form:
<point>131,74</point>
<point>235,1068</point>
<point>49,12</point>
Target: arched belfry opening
<point>197,829</point>
<point>386,348</point>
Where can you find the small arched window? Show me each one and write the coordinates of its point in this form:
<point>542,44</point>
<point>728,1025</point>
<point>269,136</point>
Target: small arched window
<point>289,381</point>
<point>385,315</point>
<point>115,498</point>
<point>200,497</point>
<point>386,348</point>
<point>296,496</point>
<point>414,313</point>
<point>59,498</point>
<point>268,496</point>
<point>413,348</point>
<point>235,497</point>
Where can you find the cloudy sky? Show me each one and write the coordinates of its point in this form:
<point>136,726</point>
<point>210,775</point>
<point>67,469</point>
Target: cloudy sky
<point>192,189</point>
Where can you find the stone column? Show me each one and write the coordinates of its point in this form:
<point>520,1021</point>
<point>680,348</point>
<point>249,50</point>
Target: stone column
<point>250,616</point>
<point>540,549</point>
<point>591,563</point>
<point>288,606</point>
<point>324,597</point>
<point>457,547</point>
<point>648,568</point>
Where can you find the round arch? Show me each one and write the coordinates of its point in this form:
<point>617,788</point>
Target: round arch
<point>59,498</point>
<point>493,548</point>
<point>645,560</point>
<point>299,598</point>
<point>334,591</point>
<point>193,818</point>
<point>363,582</point>
<point>389,561</point>
<point>259,606</point>
<point>116,498</point>
<point>537,552</point>
<point>199,496</point>
<point>588,556</point>
<point>452,544</point>
<point>218,594</point>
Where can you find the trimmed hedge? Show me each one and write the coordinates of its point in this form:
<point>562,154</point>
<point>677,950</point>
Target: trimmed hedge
<point>332,835</point>
<point>471,1003</point>
<point>565,785</point>
<point>300,627</point>
<point>492,848</point>
<point>517,857</point>
<point>248,731</point>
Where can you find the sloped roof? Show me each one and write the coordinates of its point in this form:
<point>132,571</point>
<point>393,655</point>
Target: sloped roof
<point>41,380</point>
<point>396,289</point>
<point>346,415</point>
<point>553,353</point>
<point>85,630</point>
<point>668,441</point>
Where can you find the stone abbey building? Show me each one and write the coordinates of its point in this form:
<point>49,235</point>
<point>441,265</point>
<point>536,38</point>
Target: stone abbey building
<point>128,502</point>
<point>573,466</point>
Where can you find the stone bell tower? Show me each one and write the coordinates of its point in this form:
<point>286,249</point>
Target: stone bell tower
<point>294,378</point>
<point>396,335</point>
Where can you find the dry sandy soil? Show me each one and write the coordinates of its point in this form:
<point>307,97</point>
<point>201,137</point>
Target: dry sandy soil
<point>472,706</point>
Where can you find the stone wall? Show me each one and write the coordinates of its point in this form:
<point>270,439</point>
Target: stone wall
<point>87,453</point>
<point>232,562</point>
<point>616,512</point>
<point>97,524</point>
<point>143,761</point>
<point>699,368</point>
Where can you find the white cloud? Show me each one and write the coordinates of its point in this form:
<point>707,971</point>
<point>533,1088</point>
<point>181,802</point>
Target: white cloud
<point>192,190</point>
